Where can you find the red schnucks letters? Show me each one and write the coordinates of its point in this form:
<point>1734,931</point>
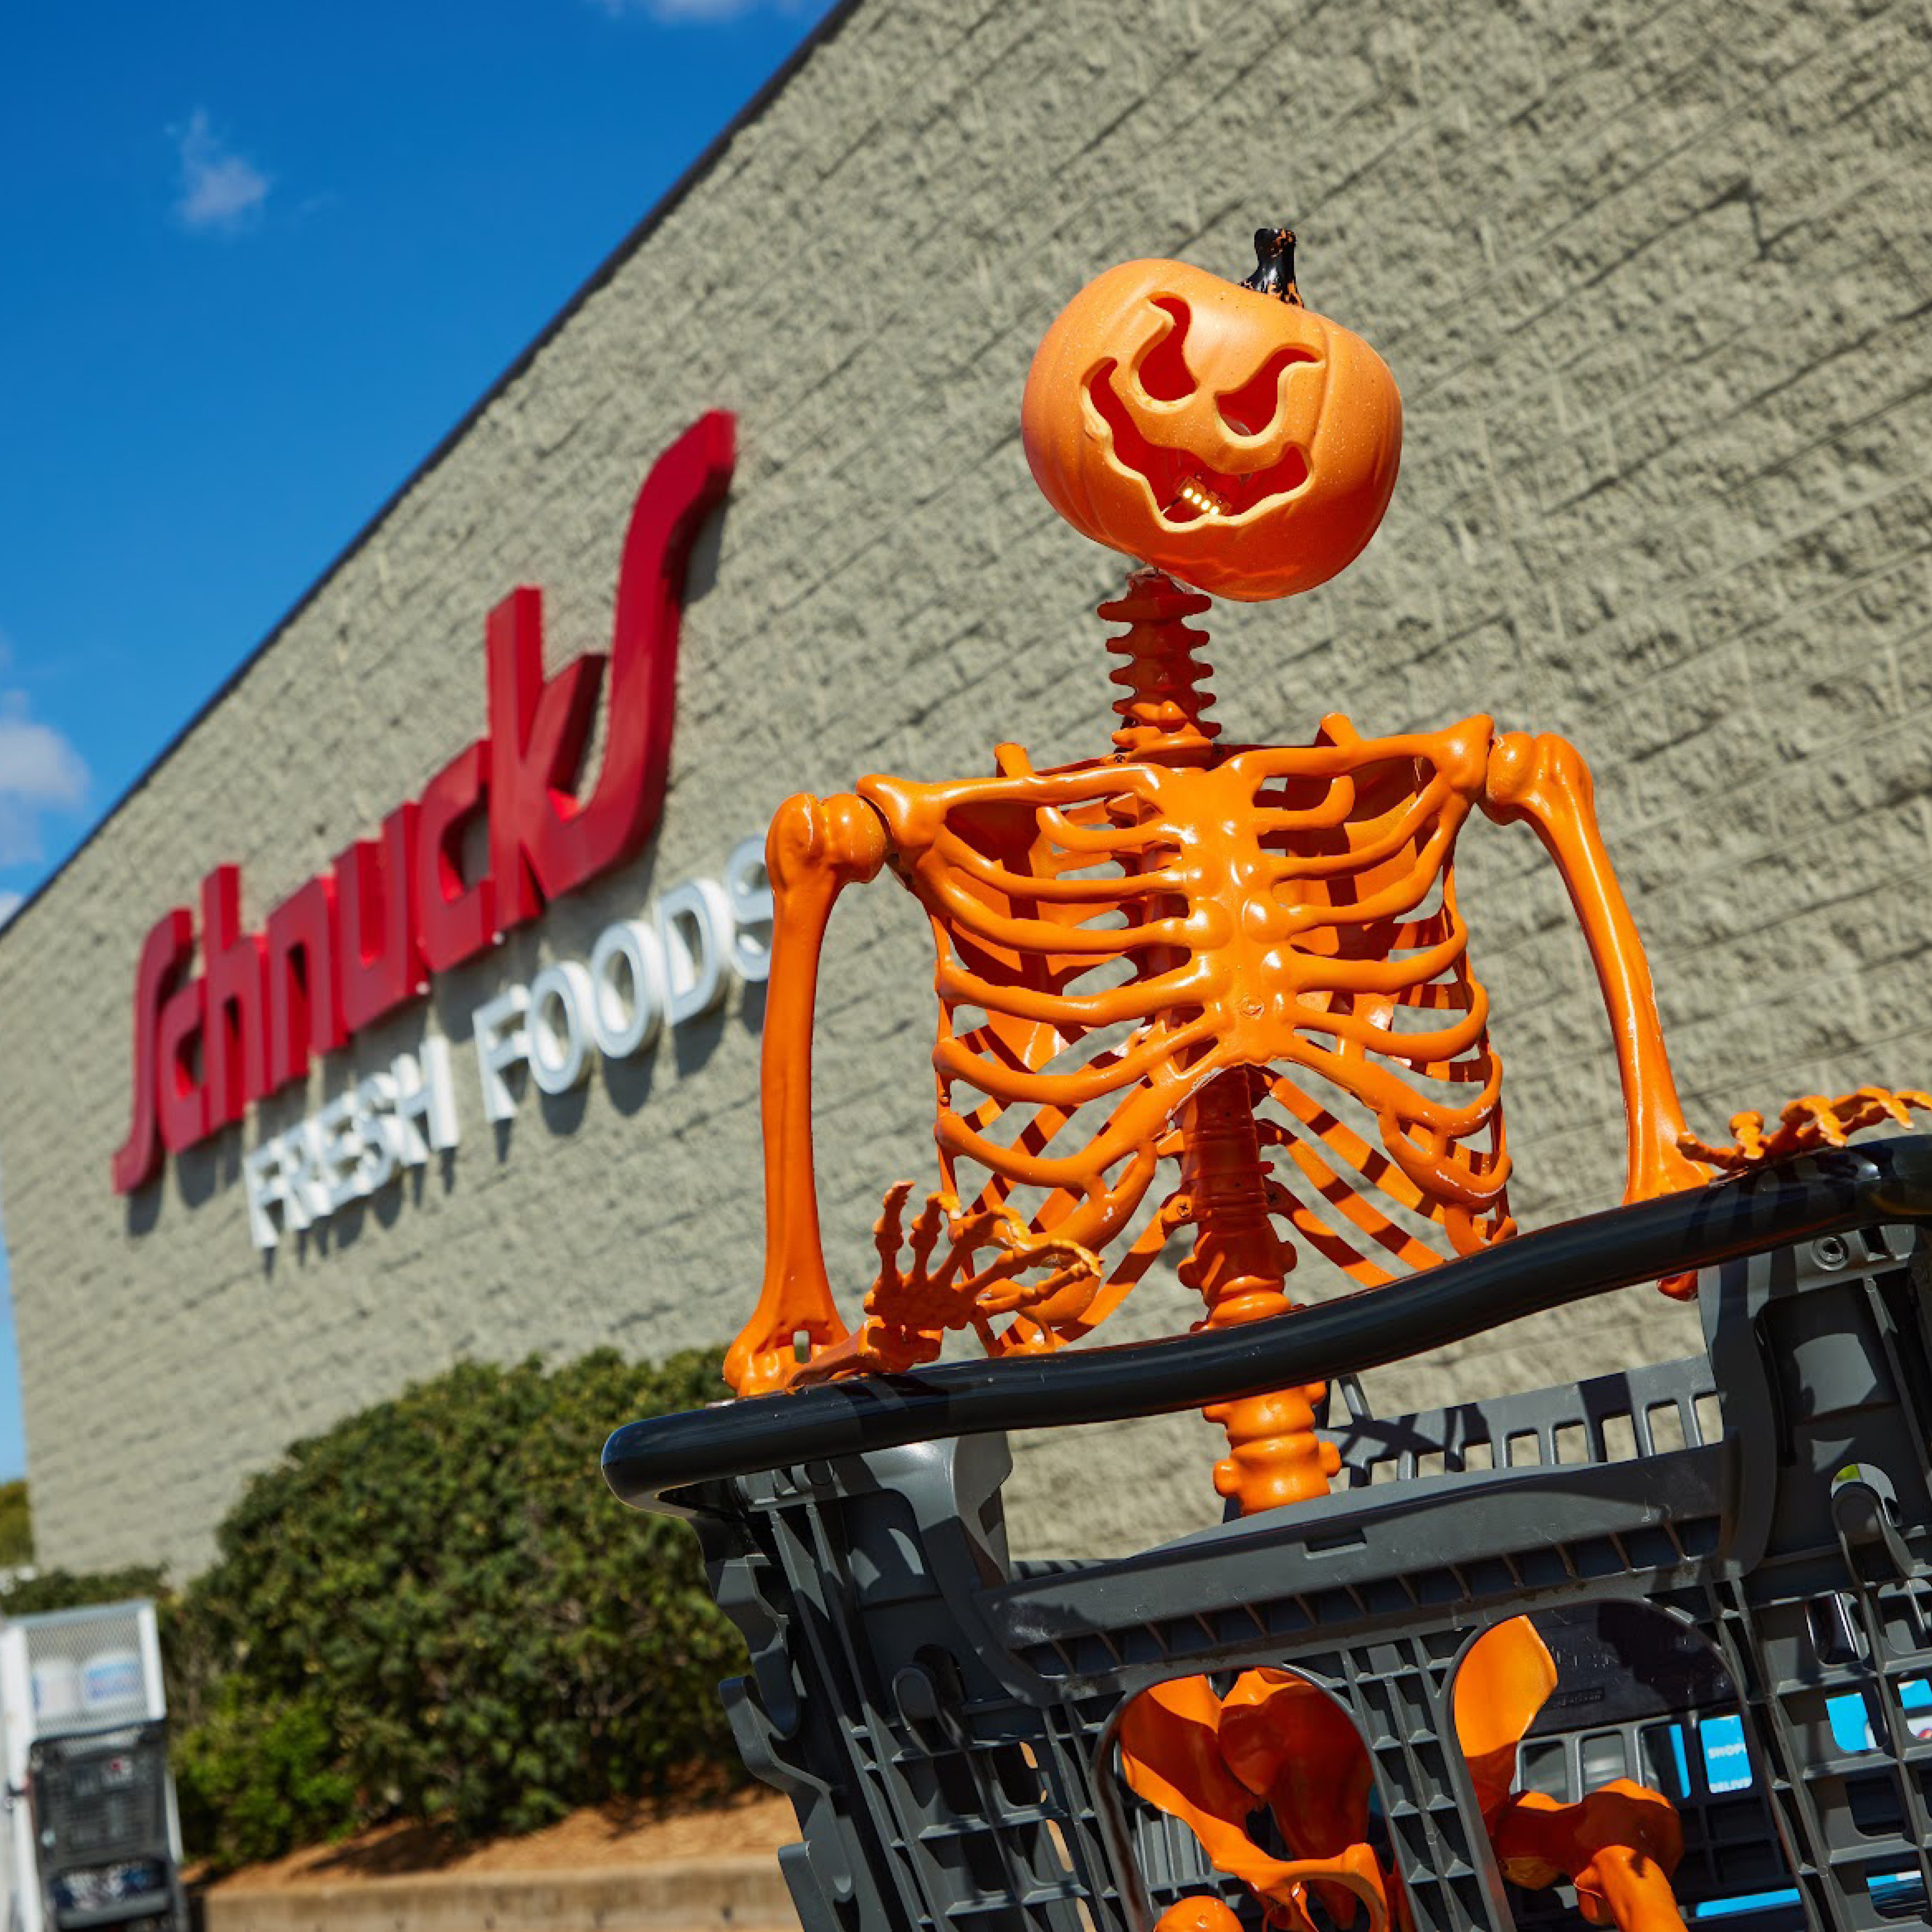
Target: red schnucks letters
<point>304,983</point>
<point>378,964</point>
<point>355,943</point>
<point>167,949</point>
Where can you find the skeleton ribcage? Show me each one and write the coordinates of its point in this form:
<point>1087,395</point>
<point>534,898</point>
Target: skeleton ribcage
<point>1104,953</point>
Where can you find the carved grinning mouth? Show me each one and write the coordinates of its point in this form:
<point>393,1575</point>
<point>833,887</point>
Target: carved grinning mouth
<point>1184,489</point>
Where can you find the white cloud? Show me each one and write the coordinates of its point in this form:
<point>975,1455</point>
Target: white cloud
<point>221,192</point>
<point>40,772</point>
<point>10,904</point>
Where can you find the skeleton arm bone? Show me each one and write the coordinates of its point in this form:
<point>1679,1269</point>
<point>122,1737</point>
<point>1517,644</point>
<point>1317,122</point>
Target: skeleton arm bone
<point>816,848</point>
<point>1543,780</point>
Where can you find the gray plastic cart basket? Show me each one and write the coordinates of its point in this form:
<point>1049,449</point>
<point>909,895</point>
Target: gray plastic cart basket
<point>1731,1557</point>
<point>99,1803</point>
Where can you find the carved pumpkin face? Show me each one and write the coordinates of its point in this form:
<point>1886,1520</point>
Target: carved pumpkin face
<point>1239,442</point>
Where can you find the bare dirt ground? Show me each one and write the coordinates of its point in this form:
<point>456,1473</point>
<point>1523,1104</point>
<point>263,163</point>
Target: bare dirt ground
<point>639,1832</point>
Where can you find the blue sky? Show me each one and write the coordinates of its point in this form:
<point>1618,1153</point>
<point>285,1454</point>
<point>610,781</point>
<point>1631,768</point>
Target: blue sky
<point>254,263</point>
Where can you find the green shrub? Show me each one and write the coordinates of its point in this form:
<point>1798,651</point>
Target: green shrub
<point>437,1611</point>
<point>257,1778</point>
<point>16,1526</point>
<point>67,1590</point>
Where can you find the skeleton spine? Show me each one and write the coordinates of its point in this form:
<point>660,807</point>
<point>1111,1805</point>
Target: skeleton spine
<point>1165,711</point>
<point>1238,1268</point>
<point>1239,1263</point>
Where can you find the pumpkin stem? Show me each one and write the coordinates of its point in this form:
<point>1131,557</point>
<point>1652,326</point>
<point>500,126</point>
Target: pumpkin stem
<point>1274,266</point>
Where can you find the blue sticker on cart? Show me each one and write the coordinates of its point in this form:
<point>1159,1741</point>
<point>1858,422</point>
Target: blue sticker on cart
<point>1726,1761</point>
<point>1850,1719</point>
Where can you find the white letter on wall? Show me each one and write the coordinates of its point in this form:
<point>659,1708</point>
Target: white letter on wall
<point>261,1174</point>
<point>559,1019</point>
<point>382,1133</point>
<point>749,888</point>
<point>425,1101</point>
<point>339,1151</point>
<point>501,1042</point>
<point>626,1021</point>
<point>693,922</point>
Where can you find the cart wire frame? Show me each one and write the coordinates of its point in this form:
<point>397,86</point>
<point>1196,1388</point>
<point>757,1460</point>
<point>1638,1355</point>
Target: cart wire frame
<point>1731,1555</point>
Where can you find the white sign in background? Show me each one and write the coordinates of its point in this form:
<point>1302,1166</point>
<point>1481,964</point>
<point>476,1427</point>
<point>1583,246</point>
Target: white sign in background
<point>667,969</point>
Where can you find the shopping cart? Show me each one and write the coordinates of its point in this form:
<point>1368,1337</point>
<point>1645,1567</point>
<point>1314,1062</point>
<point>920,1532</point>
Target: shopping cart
<point>1730,1557</point>
<point>99,1801</point>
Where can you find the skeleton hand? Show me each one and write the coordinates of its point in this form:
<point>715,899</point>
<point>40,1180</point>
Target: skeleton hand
<point>909,1309</point>
<point>1810,1122</point>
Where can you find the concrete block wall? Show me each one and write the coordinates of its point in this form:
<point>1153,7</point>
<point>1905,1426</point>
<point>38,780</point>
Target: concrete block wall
<point>1657,282</point>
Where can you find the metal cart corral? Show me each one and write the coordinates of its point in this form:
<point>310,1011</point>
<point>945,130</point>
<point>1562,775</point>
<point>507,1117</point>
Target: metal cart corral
<point>94,1840</point>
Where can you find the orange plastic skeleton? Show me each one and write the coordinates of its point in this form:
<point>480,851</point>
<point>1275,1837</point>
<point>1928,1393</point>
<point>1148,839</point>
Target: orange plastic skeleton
<point>1190,953</point>
<point>1811,1121</point>
<point>1276,1740</point>
<point>1244,961</point>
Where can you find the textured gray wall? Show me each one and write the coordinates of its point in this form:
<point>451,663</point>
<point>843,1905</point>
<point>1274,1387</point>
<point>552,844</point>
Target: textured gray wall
<point>1657,286</point>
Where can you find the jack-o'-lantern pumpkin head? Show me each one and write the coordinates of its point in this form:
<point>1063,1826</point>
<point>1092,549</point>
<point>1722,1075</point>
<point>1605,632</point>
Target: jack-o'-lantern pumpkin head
<point>1218,430</point>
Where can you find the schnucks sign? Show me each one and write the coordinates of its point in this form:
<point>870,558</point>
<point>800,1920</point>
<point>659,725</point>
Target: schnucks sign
<point>360,939</point>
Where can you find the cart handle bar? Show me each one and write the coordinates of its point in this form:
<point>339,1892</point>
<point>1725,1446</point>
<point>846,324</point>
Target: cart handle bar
<point>1801,1198</point>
